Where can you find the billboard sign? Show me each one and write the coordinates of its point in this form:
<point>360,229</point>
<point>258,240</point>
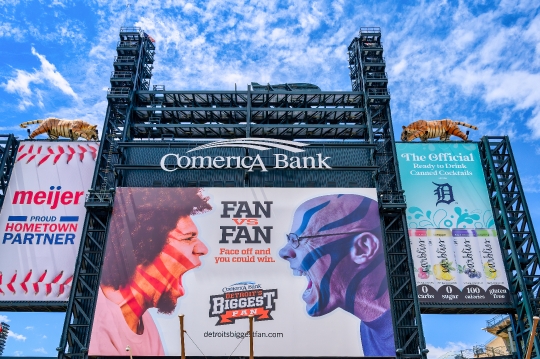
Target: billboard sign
<point>307,263</point>
<point>42,219</point>
<point>456,252</point>
<point>173,161</point>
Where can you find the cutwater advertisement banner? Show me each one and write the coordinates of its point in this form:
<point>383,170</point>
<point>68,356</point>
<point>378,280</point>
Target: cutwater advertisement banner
<point>42,219</point>
<point>456,252</point>
<point>306,263</point>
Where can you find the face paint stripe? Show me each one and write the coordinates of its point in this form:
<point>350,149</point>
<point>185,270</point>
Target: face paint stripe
<point>176,254</point>
<point>382,289</point>
<point>350,294</point>
<point>337,250</point>
<point>140,291</point>
<point>307,217</point>
<point>131,302</point>
<point>160,287</point>
<point>162,269</point>
<point>357,215</point>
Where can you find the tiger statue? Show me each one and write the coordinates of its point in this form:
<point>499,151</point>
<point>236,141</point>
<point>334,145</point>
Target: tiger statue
<point>55,127</point>
<point>431,129</point>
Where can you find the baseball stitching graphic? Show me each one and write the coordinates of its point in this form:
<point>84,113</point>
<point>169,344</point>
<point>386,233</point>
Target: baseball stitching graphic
<point>33,151</point>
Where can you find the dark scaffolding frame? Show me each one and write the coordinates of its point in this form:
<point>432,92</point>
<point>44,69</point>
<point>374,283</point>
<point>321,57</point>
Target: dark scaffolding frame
<point>8,152</point>
<point>517,237</point>
<point>138,116</point>
<point>367,72</point>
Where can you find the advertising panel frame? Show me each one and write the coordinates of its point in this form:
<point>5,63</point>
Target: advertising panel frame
<point>51,160</point>
<point>475,212</point>
<point>346,215</point>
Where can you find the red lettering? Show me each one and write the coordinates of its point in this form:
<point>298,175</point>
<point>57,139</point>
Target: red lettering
<point>20,196</point>
<point>9,227</point>
<point>52,198</point>
<point>78,195</point>
<point>66,197</point>
<point>249,221</point>
<point>39,198</point>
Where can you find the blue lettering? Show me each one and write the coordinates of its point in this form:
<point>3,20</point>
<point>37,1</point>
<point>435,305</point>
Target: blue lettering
<point>7,236</point>
<point>59,238</point>
<point>28,238</point>
<point>38,235</point>
<point>17,239</point>
<point>70,237</point>
<point>49,238</point>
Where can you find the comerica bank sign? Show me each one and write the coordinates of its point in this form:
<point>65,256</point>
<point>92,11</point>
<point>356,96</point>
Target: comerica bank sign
<point>251,163</point>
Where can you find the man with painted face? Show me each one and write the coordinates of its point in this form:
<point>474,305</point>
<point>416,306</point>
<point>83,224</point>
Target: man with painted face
<point>152,242</point>
<point>336,242</point>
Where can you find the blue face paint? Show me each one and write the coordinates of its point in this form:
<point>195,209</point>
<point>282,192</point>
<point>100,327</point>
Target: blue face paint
<point>307,217</point>
<point>352,288</point>
<point>337,250</point>
<point>357,215</point>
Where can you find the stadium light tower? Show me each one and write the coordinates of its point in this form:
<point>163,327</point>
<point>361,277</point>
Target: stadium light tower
<point>4,330</point>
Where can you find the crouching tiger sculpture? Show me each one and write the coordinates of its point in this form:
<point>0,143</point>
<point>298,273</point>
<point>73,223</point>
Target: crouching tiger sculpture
<point>56,127</point>
<point>431,129</point>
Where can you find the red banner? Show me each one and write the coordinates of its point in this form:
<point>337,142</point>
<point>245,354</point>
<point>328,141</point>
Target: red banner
<point>231,315</point>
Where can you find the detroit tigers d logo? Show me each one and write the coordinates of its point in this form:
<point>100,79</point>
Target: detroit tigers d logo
<point>444,193</point>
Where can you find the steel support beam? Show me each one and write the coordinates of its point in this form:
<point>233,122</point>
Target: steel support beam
<point>75,339</point>
<point>364,53</point>
<point>8,153</point>
<point>518,240</point>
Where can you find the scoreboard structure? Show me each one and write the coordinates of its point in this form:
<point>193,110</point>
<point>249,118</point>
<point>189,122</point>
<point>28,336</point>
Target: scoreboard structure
<point>151,136</point>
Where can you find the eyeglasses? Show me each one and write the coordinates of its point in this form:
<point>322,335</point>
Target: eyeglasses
<point>295,240</point>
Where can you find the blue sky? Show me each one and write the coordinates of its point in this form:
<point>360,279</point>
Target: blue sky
<point>474,61</point>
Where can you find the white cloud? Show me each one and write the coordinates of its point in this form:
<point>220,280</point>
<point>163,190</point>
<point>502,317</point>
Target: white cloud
<point>4,318</point>
<point>21,83</point>
<point>17,353</point>
<point>44,337</point>
<point>29,328</point>
<point>531,184</point>
<point>40,350</point>
<point>437,352</point>
<point>16,336</point>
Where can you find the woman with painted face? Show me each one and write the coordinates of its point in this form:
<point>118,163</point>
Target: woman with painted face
<point>336,243</point>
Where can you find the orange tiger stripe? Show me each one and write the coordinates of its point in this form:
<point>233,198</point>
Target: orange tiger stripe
<point>63,128</point>
<point>431,129</point>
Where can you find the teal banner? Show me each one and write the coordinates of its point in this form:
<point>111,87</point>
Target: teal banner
<point>444,185</point>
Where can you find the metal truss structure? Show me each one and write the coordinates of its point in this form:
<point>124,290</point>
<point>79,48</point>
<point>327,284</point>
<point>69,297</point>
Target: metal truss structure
<point>139,117</point>
<point>517,237</point>
<point>8,152</point>
<point>132,72</point>
<point>4,331</point>
<point>368,76</point>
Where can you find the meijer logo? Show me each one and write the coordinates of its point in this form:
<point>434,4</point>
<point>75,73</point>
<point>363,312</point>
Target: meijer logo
<point>50,198</point>
<point>282,161</point>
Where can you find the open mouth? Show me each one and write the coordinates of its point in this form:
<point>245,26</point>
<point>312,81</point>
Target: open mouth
<point>179,287</point>
<point>309,287</point>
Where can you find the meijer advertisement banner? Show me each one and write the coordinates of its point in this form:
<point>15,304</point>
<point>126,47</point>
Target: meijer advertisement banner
<point>306,263</point>
<point>42,219</point>
<point>456,252</point>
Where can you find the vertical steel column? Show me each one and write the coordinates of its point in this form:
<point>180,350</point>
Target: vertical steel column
<point>135,53</point>
<point>367,72</point>
<point>515,230</point>
<point>8,153</point>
